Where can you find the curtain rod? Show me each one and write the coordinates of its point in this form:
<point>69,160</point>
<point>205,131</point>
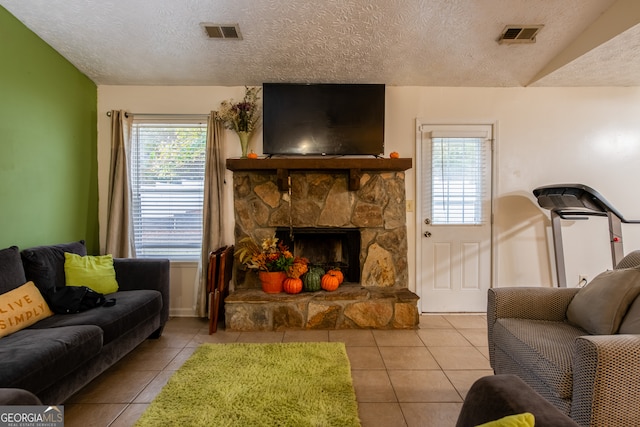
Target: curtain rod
<point>109,114</point>
<point>126,114</point>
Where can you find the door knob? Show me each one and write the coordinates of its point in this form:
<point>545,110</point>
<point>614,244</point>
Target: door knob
<point>427,234</point>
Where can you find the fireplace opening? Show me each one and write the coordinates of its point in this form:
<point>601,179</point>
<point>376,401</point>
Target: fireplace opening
<point>326,247</point>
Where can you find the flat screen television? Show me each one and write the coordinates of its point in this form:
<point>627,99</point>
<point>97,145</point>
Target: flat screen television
<point>323,119</point>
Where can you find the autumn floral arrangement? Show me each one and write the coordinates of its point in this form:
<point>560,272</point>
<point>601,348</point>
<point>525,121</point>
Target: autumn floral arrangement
<point>271,255</point>
<point>242,117</point>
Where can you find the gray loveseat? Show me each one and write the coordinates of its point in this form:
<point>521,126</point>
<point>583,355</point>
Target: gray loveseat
<point>578,347</point>
<point>57,356</point>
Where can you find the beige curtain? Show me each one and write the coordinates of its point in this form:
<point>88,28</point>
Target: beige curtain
<point>212,226</point>
<point>119,231</point>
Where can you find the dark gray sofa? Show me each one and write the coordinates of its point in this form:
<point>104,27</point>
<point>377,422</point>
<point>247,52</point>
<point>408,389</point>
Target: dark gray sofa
<point>57,356</point>
<point>494,397</point>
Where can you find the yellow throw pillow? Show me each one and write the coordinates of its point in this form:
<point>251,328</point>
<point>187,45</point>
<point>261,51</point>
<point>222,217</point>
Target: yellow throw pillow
<point>95,272</point>
<point>22,307</point>
<point>519,420</point>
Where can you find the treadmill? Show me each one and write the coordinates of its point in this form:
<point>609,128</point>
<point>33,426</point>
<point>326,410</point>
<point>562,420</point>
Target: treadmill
<point>578,202</point>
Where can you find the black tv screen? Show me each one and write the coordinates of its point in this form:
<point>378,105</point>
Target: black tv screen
<point>323,119</point>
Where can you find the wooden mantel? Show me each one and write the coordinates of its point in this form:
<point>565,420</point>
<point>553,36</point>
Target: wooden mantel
<point>353,166</point>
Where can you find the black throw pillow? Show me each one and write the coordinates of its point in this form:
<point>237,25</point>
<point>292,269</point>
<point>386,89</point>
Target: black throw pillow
<point>44,265</point>
<point>11,270</point>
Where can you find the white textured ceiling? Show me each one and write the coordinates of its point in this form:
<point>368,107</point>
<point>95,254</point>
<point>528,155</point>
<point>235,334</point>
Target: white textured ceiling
<point>396,42</point>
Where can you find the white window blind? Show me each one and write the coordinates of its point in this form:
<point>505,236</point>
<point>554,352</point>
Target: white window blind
<point>457,191</point>
<point>167,164</point>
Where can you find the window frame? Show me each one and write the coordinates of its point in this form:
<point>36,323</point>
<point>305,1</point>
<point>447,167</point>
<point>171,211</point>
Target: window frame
<point>173,202</point>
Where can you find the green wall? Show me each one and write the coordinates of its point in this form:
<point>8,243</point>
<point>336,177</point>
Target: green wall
<point>48,139</point>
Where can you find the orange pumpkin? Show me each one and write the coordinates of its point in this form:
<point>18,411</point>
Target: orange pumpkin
<point>292,285</point>
<point>330,282</point>
<point>394,155</point>
<point>338,273</point>
<point>252,155</point>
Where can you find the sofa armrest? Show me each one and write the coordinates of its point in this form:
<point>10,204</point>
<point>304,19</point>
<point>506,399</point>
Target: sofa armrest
<point>606,374</point>
<point>494,397</point>
<point>18,396</point>
<point>526,303</point>
<point>154,274</point>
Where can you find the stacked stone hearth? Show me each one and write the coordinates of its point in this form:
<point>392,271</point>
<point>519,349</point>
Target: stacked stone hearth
<point>318,199</point>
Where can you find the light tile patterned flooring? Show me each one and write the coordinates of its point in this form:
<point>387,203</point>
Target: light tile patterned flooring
<point>401,377</point>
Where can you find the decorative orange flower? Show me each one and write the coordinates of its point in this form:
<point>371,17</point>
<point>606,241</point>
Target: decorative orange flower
<point>298,268</point>
<point>270,255</point>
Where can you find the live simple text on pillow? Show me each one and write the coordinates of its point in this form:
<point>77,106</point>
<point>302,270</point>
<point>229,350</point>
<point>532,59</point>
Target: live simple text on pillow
<point>22,307</point>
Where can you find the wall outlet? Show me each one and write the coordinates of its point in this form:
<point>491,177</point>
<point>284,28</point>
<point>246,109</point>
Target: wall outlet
<point>583,279</point>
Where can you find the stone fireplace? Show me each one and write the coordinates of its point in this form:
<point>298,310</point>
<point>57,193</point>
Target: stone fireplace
<point>348,217</point>
<point>326,247</point>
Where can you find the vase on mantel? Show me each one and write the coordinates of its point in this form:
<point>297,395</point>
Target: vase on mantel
<point>272,281</point>
<point>244,142</point>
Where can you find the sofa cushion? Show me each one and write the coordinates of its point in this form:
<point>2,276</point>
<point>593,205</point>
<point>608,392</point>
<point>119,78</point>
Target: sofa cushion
<point>95,272</point>
<point>631,321</point>
<point>542,348</point>
<point>34,359</point>
<point>22,307</point>
<point>11,269</point>
<point>599,307</point>
<point>44,265</point>
<point>131,309</point>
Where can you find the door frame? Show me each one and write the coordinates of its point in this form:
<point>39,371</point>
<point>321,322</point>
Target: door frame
<point>418,197</point>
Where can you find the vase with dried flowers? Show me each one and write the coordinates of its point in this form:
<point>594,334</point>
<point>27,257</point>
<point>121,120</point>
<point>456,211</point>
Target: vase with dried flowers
<point>242,117</point>
<point>272,260</point>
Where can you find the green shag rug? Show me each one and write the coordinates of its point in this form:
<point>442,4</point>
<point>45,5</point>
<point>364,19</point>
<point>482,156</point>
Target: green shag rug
<point>291,384</point>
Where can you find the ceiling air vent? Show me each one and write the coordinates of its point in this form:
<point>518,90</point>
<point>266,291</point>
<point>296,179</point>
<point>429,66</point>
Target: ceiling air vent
<point>519,34</point>
<point>222,31</point>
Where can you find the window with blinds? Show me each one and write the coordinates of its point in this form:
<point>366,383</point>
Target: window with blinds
<point>167,180</point>
<point>457,191</point>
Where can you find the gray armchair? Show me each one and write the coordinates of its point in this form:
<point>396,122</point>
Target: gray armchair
<point>539,335</point>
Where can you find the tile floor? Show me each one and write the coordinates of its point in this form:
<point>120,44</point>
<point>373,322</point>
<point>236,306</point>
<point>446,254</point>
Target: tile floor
<point>401,378</point>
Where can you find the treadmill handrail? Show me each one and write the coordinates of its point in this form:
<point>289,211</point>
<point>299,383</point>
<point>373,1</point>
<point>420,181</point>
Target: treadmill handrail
<point>578,216</point>
<point>594,196</point>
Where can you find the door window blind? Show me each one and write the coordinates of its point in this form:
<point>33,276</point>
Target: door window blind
<point>167,164</point>
<point>457,192</point>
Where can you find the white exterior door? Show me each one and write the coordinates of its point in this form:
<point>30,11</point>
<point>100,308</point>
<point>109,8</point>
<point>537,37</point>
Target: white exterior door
<point>454,215</point>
